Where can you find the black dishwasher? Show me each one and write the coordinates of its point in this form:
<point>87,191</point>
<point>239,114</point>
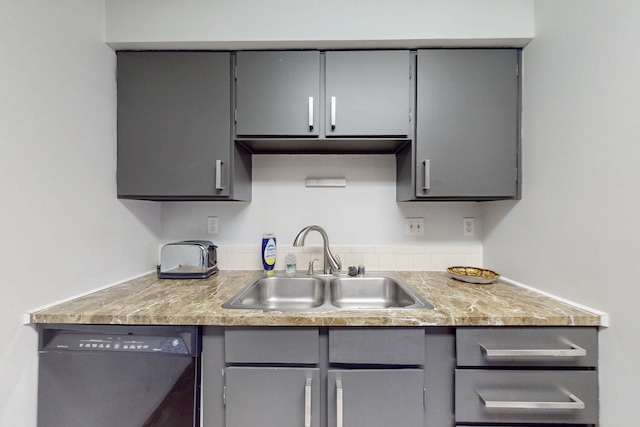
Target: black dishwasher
<point>118,375</point>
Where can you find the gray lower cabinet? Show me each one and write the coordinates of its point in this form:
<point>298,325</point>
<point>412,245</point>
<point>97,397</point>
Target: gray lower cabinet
<point>375,397</point>
<point>339,377</point>
<point>532,376</point>
<point>317,94</point>
<point>376,377</point>
<point>272,396</point>
<point>174,128</point>
<point>400,376</point>
<point>466,145</point>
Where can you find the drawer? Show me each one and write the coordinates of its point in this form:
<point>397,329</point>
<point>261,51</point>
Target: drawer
<point>377,346</point>
<point>266,345</point>
<point>532,396</point>
<point>527,346</point>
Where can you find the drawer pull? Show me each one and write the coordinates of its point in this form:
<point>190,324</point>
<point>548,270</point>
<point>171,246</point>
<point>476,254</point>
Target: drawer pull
<point>311,113</point>
<point>339,408</point>
<point>307,403</point>
<point>574,351</point>
<point>427,175</point>
<point>333,113</point>
<point>219,175</point>
<point>500,404</point>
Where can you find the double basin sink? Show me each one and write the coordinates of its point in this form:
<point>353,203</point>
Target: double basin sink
<point>385,291</point>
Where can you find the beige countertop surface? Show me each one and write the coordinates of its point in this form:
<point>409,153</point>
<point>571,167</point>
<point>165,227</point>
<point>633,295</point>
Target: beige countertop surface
<point>148,300</point>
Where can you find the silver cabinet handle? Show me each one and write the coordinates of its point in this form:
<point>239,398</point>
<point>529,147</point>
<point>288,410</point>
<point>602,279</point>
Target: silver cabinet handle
<point>307,403</point>
<point>574,351</point>
<point>505,404</point>
<point>219,175</point>
<point>339,403</point>
<point>333,112</point>
<point>310,112</point>
<point>427,174</point>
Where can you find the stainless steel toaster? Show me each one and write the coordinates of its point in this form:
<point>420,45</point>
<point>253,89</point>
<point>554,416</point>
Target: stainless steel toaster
<point>188,259</point>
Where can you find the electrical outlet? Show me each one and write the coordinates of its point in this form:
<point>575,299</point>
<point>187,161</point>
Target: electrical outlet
<point>212,225</point>
<point>414,226</point>
<point>468,226</point>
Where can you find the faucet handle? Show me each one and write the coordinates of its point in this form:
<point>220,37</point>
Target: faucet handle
<point>338,262</point>
<point>310,271</point>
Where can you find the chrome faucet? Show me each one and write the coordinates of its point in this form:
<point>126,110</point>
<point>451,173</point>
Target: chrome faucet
<point>332,263</point>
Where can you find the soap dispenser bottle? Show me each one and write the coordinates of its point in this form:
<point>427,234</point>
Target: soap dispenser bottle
<point>290,265</point>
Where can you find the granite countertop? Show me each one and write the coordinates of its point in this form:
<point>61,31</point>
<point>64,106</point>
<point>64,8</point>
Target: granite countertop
<point>151,301</point>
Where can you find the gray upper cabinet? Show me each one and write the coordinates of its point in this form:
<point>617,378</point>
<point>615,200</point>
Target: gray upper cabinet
<point>467,127</point>
<point>323,94</point>
<point>278,93</point>
<point>367,93</point>
<point>174,128</point>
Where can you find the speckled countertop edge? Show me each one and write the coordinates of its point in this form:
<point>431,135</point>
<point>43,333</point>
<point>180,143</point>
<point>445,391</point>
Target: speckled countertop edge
<point>148,300</point>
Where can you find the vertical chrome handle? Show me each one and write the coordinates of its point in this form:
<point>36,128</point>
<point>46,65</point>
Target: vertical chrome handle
<point>338,403</point>
<point>427,174</point>
<point>310,112</point>
<point>219,175</point>
<point>333,112</point>
<point>307,403</point>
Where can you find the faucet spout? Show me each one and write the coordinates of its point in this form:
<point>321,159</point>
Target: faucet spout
<point>332,263</point>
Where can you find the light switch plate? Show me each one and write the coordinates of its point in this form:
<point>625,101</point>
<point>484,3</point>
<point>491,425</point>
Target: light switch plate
<point>414,227</point>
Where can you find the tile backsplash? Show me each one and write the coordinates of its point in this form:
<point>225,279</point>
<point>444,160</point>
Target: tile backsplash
<point>431,257</point>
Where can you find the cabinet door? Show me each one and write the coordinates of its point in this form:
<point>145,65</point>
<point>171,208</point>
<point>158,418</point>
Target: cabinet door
<point>375,398</point>
<point>367,93</point>
<point>174,124</point>
<point>467,123</point>
<point>272,397</point>
<point>277,93</point>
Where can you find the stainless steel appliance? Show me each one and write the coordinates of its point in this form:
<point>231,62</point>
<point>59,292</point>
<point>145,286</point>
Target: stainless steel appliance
<point>118,375</point>
<point>189,259</point>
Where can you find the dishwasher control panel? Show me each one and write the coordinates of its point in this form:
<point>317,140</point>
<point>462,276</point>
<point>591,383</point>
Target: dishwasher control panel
<point>74,341</point>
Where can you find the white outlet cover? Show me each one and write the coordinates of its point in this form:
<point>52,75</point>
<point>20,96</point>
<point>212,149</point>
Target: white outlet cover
<point>212,225</point>
<point>468,226</point>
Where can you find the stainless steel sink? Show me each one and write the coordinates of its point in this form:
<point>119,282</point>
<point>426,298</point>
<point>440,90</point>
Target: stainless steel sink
<point>280,293</point>
<point>373,293</point>
<point>379,291</point>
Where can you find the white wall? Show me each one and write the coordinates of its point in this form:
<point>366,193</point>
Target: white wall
<point>363,214</point>
<point>574,232</point>
<point>310,23</point>
<point>62,230</point>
